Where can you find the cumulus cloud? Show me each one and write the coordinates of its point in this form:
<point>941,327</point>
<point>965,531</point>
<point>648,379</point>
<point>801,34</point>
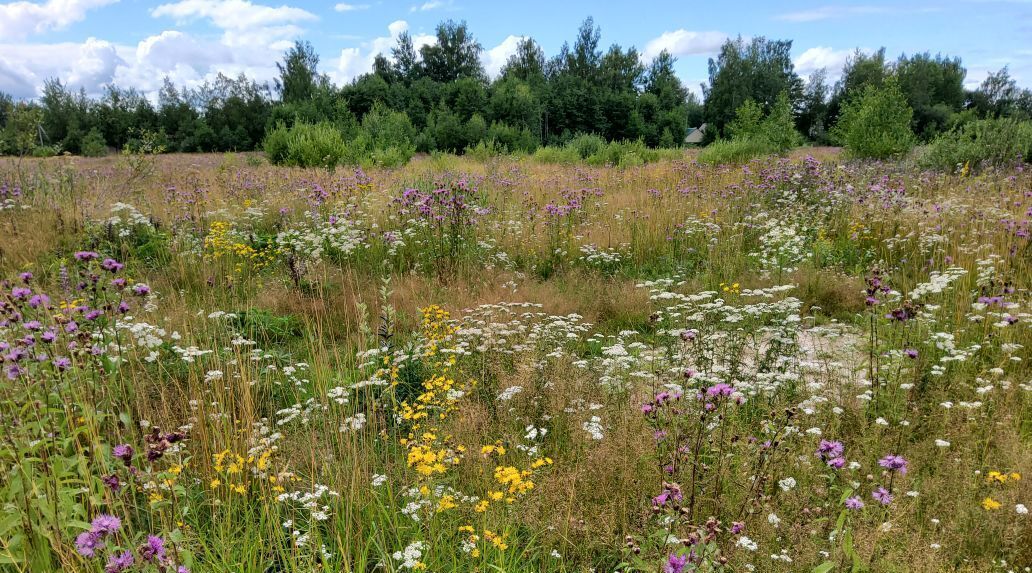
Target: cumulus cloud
<point>496,57</point>
<point>244,23</point>
<point>683,42</point>
<point>819,57</point>
<point>356,61</point>
<point>89,65</point>
<point>21,19</point>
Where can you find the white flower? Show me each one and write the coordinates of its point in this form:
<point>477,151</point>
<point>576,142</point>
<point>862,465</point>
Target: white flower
<point>787,484</point>
<point>747,544</point>
<point>942,444</point>
<point>773,519</point>
<point>379,479</point>
<point>1020,509</point>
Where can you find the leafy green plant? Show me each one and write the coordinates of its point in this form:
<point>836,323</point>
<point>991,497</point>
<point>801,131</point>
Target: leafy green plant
<point>983,142</point>
<point>876,124</point>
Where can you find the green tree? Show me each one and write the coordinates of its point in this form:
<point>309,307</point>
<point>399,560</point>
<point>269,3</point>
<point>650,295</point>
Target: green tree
<point>759,70</point>
<point>298,73</point>
<point>455,55</point>
<point>876,124</point>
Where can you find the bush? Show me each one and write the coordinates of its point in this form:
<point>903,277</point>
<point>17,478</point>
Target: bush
<point>734,151</point>
<point>306,145</point>
<point>553,154</point>
<point>877,123</point>
<point>587,144</point>
<point>982,142</point>
<point>93,145</point>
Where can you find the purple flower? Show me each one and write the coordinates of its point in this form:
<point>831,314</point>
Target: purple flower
<point>882,495</point>
<point>910,353</point>
<point>182,569</point>
<point>123,452</point>
<point>119,562</point>
<point>111,265</point>
<point>737,527</point>
<point>25,277</point>
<point>48,336</point>
<point>893,462</point>
<point>837,463</point>
<point>855,502</point>
<point>20,292</point>
<point>830,449</point>
<point>153,550</point>
<point>62,363</point>
<point>105,524</point>
<point>87,543</point>
<point>33,325</point>
<point>38,300</point>
<point>719,389</point>
<point>141,289</point>
<point>86,256</point>
<point>675,563</point>
<point>112,481</point>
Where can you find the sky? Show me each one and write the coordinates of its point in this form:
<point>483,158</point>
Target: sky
<point>136,43</point>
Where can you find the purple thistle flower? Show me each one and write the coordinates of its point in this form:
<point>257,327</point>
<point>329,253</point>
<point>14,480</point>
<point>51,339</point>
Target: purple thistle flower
<point>86,256</point>
<point>882,495</point>
<point>119,562</point>
<point>21,292</point>
<point>830,449</point>
<point>893,462</point>
<point>105,524</point>
<point>112,482</point>
<point>675,563</point>
<point>153,550</point>
<point>25,277</point>
<point>48,336</point>
<point>62,363</point>
<point>123,452</point>
<point>910,353</point>
<point>837,463</point>
<point>87,543</point>
<point>854,503</point>
<point>719,389</point>
<point>141,289</point>
<point>111,265</point>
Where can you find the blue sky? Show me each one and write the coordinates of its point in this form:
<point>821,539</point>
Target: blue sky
<point>90,43</point>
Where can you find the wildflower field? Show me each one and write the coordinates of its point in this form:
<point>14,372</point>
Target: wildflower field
<point>804,364</point>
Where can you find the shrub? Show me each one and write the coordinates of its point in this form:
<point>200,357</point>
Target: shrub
<point>93,145</point>
<point>553,154</point>
<point>876,124</point>
<point>306,145</point>
<point>734,151</point>
<point>983,142</point>
<point>587,144</point>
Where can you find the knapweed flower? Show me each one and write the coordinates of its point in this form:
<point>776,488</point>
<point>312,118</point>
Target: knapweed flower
<point>990,504</point>
<point>112,482</point>
<point>854,502</point>
<point>153,551</point>
<point>119,562</point>
<point>910,353</point>
<point>87,543</point>
<point>882,496</point>
<point>123,452</point>
<point>105,524</point>
<point>86,256</point>
<point>893,462</point>
<point>675,563</point>
<point>719,389</point>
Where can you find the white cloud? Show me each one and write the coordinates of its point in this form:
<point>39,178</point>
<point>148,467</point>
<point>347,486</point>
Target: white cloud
<point>21,19</point>
<point>232,14</point>
<point>819,57</point>
<point>496,57</point>
<point>833,12</point>
<point>683,42</point>
<point>356,61</point>
<point>430,5</point>
<point>343,7</point>
<point>89,65</point>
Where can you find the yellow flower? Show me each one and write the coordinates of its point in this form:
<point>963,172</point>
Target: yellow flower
<point>990,504</point>
<point>215,483</point>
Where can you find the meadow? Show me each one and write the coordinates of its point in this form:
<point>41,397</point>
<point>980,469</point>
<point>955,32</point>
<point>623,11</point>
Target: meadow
<point>798,364</point>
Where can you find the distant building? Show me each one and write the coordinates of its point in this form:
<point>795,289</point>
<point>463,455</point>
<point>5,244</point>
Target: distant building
<point>695,134</point>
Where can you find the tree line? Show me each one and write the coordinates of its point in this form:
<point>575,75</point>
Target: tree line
<point>438,97</point>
